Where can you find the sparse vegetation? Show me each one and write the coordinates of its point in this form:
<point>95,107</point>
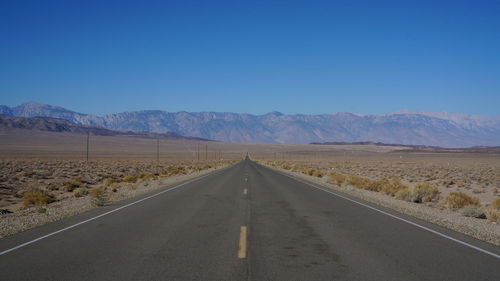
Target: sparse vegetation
<point>69,186</point>
<point>473,211</point>
<point>130,178</point>
<point>99,196</point>
<point>393,187</point>
<point>418,193</point>
<point>60,179</point>
<point>149,176</point>
<point>52,187</point>
<point>109,181</point>
<point>493,211</point>
<point>423,192</point>
<point>403,194</point>
<point>36,198</point>
<point>338,179</point>
<point>96,192</point>
<point>458,200</point>
<point>80,192</point>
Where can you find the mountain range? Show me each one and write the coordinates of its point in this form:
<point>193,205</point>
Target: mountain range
<point>408,128</point>
<point>64,126</point>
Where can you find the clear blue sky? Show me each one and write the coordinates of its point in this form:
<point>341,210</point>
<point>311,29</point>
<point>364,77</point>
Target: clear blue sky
<point>252,56</point>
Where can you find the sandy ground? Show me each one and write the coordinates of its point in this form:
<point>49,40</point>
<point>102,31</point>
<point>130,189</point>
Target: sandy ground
<point>46,160</point>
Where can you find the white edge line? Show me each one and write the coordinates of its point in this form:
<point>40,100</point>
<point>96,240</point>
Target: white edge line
<point>396,217</point>
<point>110,212</point>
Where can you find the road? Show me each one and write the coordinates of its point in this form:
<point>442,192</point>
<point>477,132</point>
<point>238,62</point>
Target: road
<point>246,222</point>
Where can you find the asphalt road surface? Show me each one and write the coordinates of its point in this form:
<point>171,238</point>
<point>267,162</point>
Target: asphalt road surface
<point>246,222</point>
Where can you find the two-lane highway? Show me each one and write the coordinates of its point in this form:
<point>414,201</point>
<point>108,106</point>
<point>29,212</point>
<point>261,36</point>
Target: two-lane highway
<point>246,222</point>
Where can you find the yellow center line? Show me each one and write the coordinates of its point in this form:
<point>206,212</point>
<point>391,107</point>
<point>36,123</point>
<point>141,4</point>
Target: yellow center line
<point>245,191</point>
<point>242,252</point>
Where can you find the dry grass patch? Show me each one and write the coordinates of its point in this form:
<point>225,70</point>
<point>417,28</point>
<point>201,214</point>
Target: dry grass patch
<point>356,181</point>
<point>147,176</point>
<point>130,178</point>
<point>80,192</point>
<point>403,194</point>
<point>493,211</point>
<point>69,186</point>
<point>109,181</point>
<point>458,200</point>
<point>337,178</point>
<point>96,192</point>
<point>36,198</point>
<point>424,192</point>
<point>392,187</point>
<point>419,193</point>
<point>99,196</point>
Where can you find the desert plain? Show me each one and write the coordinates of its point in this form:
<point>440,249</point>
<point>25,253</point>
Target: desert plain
<point>56,165</point>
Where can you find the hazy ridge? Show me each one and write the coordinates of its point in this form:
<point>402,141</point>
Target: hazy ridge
<point>409,128</point>
<point>58,125</point>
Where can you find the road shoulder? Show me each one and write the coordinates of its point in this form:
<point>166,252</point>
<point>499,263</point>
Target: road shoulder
<point>472,227</point>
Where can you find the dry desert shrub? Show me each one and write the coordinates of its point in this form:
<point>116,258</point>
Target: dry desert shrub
<point>338,178</point>
<point>69,186</point>
<point>312,172</point>
<point>458,200</point>
<point>130,178</point>
<point>36,198</point>
<point>368,184</point>
<point>109,181</point>
<point>423,192</point>
<point>356,181</point>
<point>382,184</point>
<point>419,193</point>
<point>493,211</point>
<point>147,176</point>
<point>393,187</point>
<point>96,192</point>
<point>80,192</point>
<point>100,198</point>
<point>178,170</point>
<point>309,171</point>
<point>403,194</point>
<point>318,174</point>
<point>376,185</point>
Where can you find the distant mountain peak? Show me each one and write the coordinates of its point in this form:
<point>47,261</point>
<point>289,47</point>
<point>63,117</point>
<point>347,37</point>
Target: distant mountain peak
<point>275,113</point>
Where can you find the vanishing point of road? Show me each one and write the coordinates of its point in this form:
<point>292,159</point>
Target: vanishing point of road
<point>245,222</point>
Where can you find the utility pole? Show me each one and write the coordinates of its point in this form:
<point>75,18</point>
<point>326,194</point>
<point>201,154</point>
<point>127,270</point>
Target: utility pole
<point>206,152</point>
<point>88,137</point>
<point>198,152</point>
<point>157,152</point>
